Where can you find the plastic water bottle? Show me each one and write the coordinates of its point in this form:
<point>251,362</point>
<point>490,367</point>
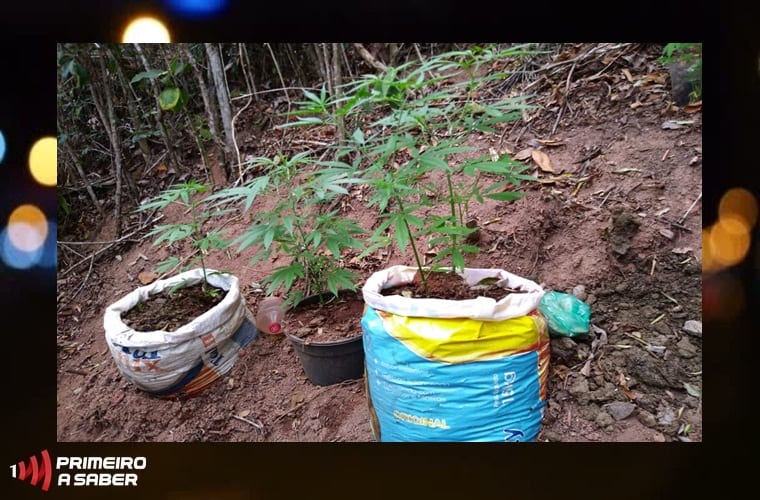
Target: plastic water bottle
<point>270,314</point>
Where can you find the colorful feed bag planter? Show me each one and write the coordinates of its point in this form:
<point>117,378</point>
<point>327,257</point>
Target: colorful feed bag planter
<point>183,362</point>
<point>455,379</point>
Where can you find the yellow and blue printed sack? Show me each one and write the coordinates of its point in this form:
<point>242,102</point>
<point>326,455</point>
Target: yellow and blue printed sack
<point>455,370</point>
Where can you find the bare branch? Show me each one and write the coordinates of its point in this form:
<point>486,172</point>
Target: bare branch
<point>369,58</point>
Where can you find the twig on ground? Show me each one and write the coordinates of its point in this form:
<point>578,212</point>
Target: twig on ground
<point>102,250</point>
<point>76,372</point>
<point>683,218</point>
<point>609,192</point>
<point>84,282</point>
<point>637,339</point>
<point>675,224</point>
<point>564,103</point>
<point>517,141</point>
<point>259,426</point>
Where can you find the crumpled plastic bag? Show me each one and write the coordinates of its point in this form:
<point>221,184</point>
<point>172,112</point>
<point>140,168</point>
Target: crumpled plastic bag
<point>566,315</point>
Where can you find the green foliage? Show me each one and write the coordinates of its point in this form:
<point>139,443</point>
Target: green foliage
<point>169,98</point>
<point>72,68</point>
<point>186,195</point>
<point>63,207</point>
<point>299,226</point>
<point>422,126</point>
<point>690,54</point>
<point>149,75</point>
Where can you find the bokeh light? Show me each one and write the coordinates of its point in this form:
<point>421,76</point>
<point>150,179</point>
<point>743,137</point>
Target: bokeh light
<point>708,262</point>
<point>197,8</point>
<point>43,161</point>
<point>146,30</point>
<point>49,257</point>
<point>13,256</point>
<point>740,204</point>
<point>27,228</point>
<point>729,243</point>
<point>2,146</point>
<point>723,297</point>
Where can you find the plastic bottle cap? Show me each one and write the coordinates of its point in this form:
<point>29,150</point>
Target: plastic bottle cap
<point>274,328</point>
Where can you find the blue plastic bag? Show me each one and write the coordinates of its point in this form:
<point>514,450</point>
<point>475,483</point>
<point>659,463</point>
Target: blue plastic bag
<point>566,314</point>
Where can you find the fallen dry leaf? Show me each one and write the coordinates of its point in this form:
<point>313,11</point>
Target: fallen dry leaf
<point>692,390</point>
<point>244,413</point>
<point>693,107</point>
<point>627,75</point>
<point>296,398</point>
<point>524,154</point>
<point>652,78</point>
<point>146,277</point>
<point>628,393</point>
<point>551,143</point>
<point>542,160</point>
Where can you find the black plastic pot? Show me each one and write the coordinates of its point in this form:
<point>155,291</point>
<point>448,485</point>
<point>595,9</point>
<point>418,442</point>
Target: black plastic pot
<point>327,363</point>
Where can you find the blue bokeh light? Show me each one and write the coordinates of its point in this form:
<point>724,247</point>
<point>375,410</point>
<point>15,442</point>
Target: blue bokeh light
<point>49,257</point>
<point>15,258</point>
<point>2,146</point>
<point>196,8</point>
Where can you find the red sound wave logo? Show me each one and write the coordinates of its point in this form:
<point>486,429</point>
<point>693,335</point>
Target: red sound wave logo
<point>35,472</point>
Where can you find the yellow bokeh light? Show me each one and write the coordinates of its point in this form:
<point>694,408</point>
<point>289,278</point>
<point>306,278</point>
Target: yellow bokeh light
<point>728,246</point>
<point>734,224</point>
<point>739,203</point>
<point>146,30</point>
<point>708,261</point>
<point>27,228</point>
<point>43,161</point>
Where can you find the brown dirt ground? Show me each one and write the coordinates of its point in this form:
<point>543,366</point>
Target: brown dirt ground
<point>612,224</point>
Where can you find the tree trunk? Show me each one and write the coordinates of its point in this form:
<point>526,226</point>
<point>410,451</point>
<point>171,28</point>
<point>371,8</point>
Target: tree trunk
<point>113,135</point>
<point>159,112</point>
<point>223,98</point>
<point>134,115</point>
<point>312,51</point>
<point>393,49</point>
<point>211,110</point>
<point>80,171</point>
<point>337,81</point>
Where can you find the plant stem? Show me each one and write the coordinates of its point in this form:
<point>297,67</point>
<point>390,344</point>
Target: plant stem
<point>453,215</point>
<point>197,229</point>
<point>414,248</point>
